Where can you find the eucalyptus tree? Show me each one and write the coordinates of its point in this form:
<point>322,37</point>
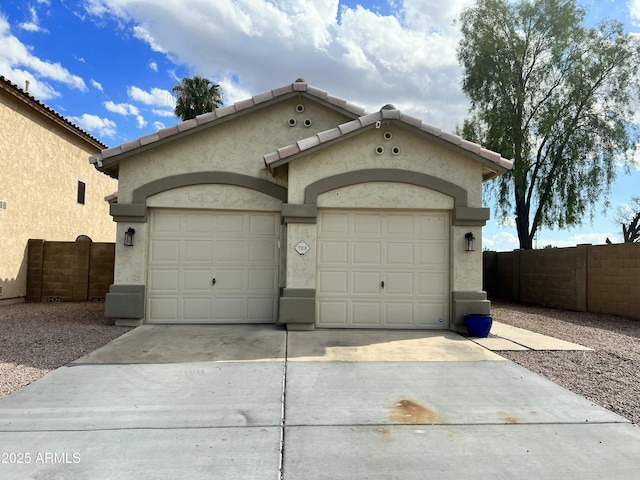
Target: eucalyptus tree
<point>195,96</point>
<point>554,96</point>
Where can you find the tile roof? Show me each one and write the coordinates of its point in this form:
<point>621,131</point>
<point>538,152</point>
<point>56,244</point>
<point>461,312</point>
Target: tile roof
<point>108,159</point>
<point>12,88</point>
<point>299,86</point>
<point>387,113</point>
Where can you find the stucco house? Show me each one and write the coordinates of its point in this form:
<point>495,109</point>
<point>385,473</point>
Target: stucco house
<point>47,189</point>
<point>298,207</point>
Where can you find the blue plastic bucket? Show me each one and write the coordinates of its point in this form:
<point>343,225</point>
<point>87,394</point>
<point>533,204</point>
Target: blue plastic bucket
<point>478,325</point>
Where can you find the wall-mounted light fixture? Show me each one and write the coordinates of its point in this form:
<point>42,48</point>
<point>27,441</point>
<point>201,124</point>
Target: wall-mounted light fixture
<point>128,237</point>
<point>470,242</point>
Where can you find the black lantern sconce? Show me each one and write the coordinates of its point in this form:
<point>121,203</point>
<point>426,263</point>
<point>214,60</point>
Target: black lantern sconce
<point>128,237</point>
<point>470,242</point>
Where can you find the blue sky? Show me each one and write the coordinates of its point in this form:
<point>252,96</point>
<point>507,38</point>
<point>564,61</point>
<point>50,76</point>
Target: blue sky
<point>109,65</point>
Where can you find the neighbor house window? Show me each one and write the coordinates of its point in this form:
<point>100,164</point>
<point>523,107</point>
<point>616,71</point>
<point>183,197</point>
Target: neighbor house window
<point>81,189</point>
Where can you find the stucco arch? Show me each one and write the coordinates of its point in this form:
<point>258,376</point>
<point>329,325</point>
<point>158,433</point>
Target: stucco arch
<point>136,211</point>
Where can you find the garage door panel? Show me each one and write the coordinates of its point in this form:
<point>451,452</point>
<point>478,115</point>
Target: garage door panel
<point>163,308</point>
<point>196,280</point>
<point>433,226</point>
<point>336,223</point>
<point>230,308</point>
<point>333,282</point>
<point>401,225</point>
<point>164,280</point>
<point>262,225</point>
<point>332,252</point>
<point>399,283</point>
<point>227,224</point>
<point>261,310</point>
<point>229,251</point>
<point>333,313</point>
<point>365,314</point>
<point>400,254</point>
<point>432,284</point>
<point>366,253</point>
<point>366,224</point>
<point>399,314</point>
<point>166,223</point>
<point>431,314</point>
<point>197,224</point>
<point>432,255</point>
<point>239,250</point>
<point>262,252</point>
<point>165,251</point>
<point>365,283</point>
<point>197,250</point>
<point>196,309</point>
<point>261,281</point>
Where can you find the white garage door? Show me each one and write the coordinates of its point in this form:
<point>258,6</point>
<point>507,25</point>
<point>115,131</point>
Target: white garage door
<point>213,267</point>
<point>383,269</point>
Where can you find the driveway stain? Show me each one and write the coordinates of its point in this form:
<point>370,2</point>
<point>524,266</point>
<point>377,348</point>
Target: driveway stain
<point>408,412</point>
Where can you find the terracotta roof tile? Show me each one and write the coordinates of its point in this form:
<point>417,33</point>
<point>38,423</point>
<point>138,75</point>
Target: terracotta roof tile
<point>307,143</point>
<point>350,126</point>
<point>451,138</point>
<point>187,125</point>
<point>317,92</point>
<point>264,97</point>
<point>300,86</point>
<point>224,111</point>
<point>168,132</point>
<point>328,135</point>
<point>132,145</point>
<point>151,138</point>
<point>278,92</point>
<point>390,114</point>
<point>370,119</point>
<point>244,104</point>
<point>207,117</point>
<point>288,150</point>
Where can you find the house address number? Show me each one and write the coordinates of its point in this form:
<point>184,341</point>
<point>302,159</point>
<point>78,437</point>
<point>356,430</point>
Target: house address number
<point>302,247</point>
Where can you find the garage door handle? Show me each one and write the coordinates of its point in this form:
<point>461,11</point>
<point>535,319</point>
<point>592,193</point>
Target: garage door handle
<point>213,282</point>
<point>382,284</point>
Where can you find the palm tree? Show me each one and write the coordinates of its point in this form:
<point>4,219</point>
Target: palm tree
<point>195,96</point>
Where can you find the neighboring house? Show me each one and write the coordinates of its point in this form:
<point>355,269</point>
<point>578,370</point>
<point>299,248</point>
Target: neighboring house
<point>295,206</point>
<point>47,190</point>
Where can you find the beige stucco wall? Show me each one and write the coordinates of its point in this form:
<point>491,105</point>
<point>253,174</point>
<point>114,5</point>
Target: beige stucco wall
<point>41,164</point>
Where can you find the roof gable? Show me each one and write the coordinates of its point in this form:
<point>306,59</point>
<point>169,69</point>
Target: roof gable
<point>107,160</point>
<point>494,163</point>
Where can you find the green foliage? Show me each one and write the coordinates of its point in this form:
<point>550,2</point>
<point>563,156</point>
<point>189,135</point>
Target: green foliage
<point>553,96</point>
<point>195,96</point>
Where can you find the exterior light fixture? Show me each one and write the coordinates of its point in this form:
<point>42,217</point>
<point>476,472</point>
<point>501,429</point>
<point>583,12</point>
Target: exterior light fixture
<point>470,242</point>
<point>128,237</point>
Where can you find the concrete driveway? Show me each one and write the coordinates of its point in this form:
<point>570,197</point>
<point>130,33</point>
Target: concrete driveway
<point>257,402</point>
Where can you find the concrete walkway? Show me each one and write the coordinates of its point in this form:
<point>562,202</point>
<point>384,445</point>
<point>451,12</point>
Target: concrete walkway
<point>255,402</point>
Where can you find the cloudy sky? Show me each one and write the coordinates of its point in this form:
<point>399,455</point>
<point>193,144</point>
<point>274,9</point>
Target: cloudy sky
<point>109,65</point>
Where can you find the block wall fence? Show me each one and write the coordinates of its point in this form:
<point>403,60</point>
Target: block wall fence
<point>77,271</point>
<point>586,278</point>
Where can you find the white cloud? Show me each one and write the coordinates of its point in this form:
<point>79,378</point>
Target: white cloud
<point>501,242</point>
<point>96,125</point>
<point>156,96</point>
<point>158,125</point>
<point>18,63</point>
<point>369,58</point>
<point>34,24</point>
<point>126,109</point>
<point>634,10</point>
<point>153,66</point>
<point>163,113</point>
<point>97,85</point>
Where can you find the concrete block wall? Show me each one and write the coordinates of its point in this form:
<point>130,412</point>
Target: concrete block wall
<point>600,279</point>
<point>614,279</point>
<point>69,271</point>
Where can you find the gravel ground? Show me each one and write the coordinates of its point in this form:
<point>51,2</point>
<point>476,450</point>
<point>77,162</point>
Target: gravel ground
<point>609,376</point>
<point>36,338</point>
